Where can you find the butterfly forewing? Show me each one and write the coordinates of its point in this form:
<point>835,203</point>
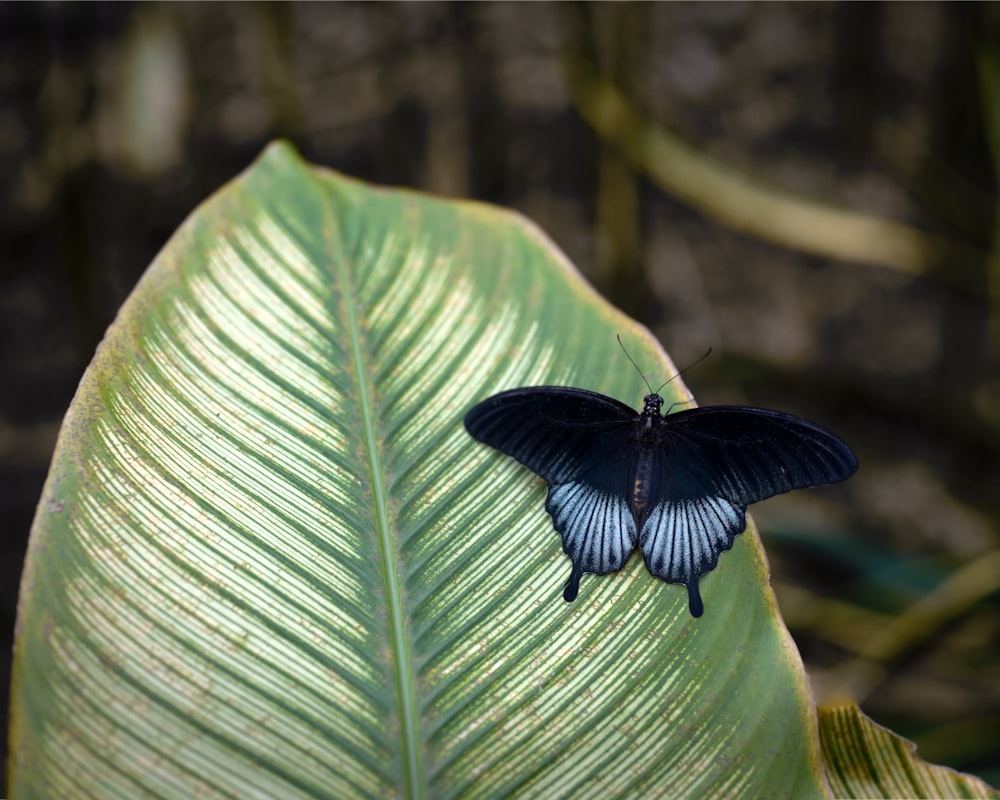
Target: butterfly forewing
<point>749,454</point>
<point>552,430</point>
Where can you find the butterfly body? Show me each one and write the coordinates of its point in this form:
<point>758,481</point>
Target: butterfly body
<point>646,441</point>
<point>677,485</point>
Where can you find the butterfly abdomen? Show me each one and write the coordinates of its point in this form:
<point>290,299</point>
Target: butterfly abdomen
<point>642,483</point>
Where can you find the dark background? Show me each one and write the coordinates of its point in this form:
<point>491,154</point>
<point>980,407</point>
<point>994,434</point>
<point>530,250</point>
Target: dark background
<point>116,120</point>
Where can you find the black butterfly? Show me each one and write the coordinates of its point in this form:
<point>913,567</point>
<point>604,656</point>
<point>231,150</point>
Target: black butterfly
<point>680,484</point>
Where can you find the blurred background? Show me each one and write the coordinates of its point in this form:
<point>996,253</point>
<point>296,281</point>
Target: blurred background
<point>809,189</point>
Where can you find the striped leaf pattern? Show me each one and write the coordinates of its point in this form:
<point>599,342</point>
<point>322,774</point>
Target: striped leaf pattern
<point>269,561</point>
<point>864,760</point>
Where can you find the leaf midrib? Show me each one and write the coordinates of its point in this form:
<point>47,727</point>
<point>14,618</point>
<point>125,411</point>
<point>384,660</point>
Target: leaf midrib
<point>402,662</point>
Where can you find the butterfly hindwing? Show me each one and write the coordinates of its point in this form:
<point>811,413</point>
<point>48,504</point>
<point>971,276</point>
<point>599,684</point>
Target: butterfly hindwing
<point>592,515</point>
<point>683,538</point>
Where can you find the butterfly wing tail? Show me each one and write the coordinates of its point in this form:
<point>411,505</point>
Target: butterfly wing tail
<point>694,597</point>
<point>573,584</point>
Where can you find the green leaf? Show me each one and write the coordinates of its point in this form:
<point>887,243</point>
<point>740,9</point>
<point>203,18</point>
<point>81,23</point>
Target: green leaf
<point>863,759</point>
<point>269,561</point>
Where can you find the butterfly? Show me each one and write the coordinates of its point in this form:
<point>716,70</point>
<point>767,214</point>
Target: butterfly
<point>678,484</point>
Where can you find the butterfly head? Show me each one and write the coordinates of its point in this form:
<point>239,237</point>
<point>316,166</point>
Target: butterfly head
<point>652,403</point>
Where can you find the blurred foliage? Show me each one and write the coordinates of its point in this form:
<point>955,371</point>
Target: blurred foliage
<point>118,118</point>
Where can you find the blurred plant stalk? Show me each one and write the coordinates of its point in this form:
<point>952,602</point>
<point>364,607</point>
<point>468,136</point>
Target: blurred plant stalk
<point>767,212</point>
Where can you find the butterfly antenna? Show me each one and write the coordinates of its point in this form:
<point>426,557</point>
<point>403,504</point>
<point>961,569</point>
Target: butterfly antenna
<point>619,338</point>
<point>693,364</point>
